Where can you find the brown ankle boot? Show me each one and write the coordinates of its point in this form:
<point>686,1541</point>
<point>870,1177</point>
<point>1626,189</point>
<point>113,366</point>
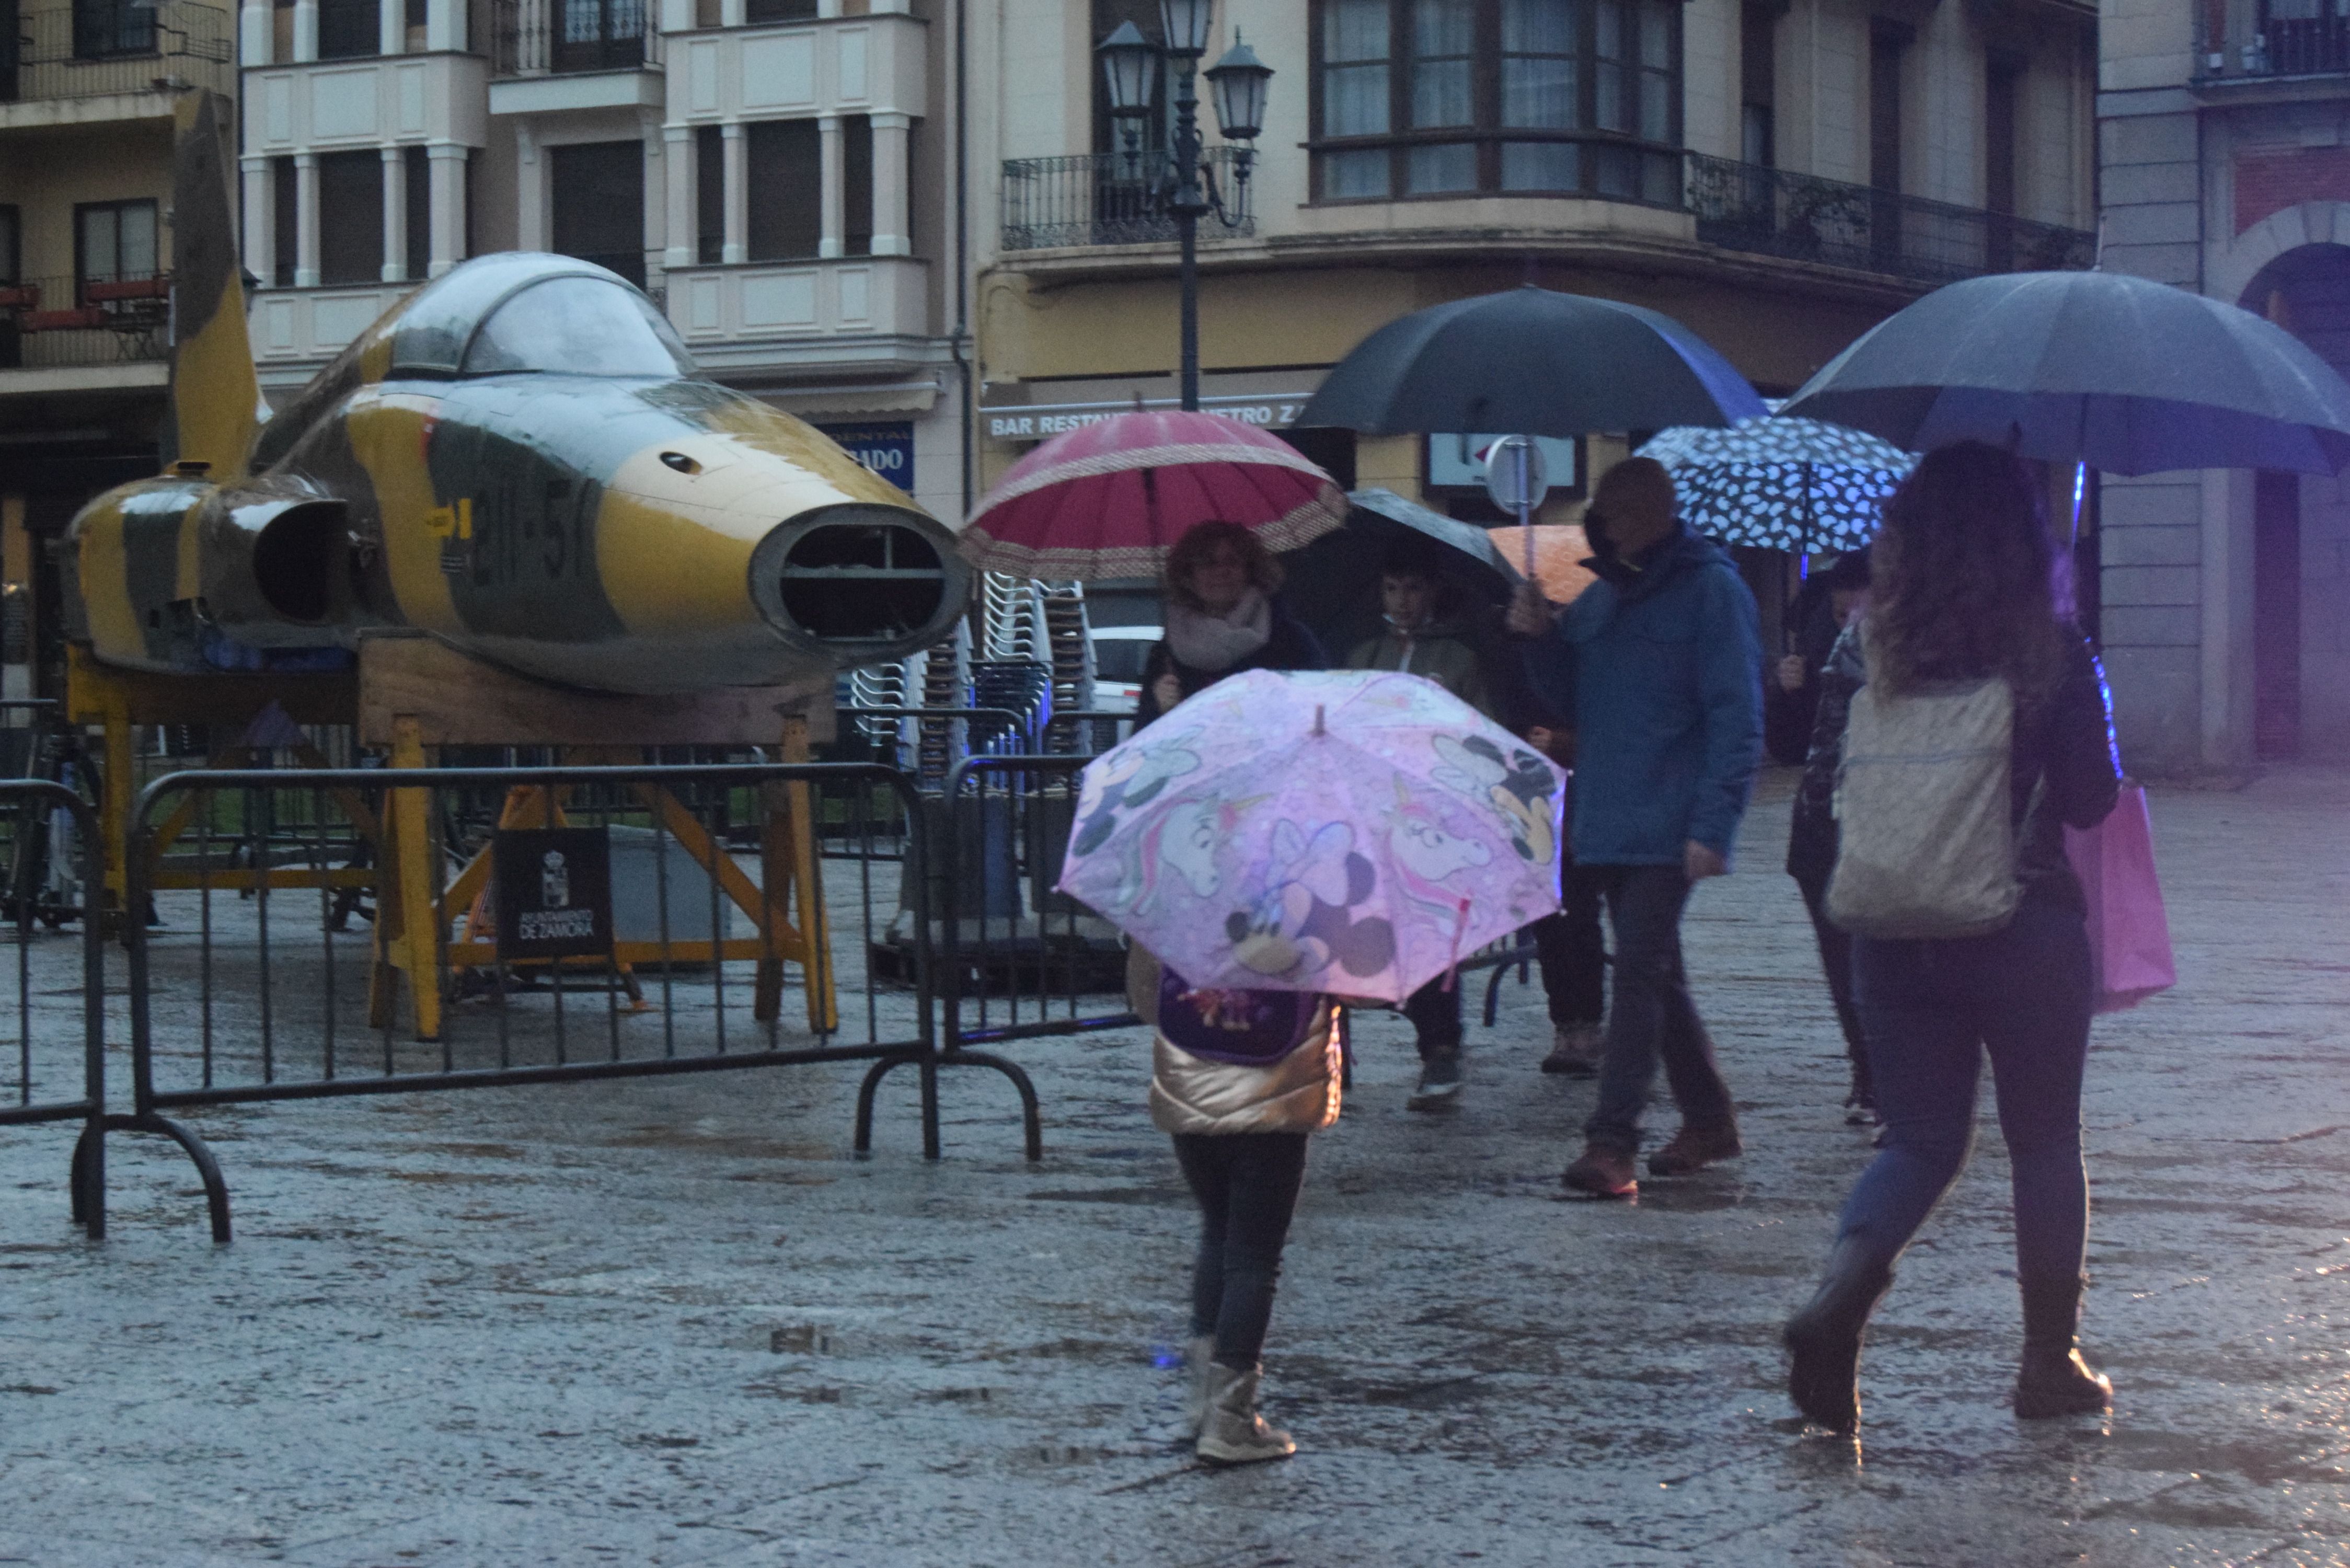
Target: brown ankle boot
<point>1603,1172</point>
<point>1693,1148</point>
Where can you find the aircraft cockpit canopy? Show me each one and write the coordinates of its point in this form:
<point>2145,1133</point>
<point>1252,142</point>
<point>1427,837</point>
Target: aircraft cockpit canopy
<point>579,326</point>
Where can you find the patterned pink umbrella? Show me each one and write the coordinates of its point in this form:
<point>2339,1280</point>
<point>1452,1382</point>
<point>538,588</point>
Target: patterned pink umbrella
<point>1110,499</point>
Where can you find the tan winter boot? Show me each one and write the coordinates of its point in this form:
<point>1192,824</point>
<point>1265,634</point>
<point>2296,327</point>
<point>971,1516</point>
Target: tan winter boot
<point>1235,1433</point>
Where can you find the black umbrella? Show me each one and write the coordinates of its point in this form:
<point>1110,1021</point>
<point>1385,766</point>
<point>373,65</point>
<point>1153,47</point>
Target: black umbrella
<point>1533,362</point>
<point>2114,371</point>
<point>1334,582</point>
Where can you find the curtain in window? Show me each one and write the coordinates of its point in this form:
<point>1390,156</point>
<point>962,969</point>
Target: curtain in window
<point>1355,94</point>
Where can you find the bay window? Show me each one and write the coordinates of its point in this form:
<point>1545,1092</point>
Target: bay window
<point>1432,98</point>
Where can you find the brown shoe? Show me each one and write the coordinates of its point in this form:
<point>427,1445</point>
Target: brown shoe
<point>1693,1148</point>
<point>1603,1172</point>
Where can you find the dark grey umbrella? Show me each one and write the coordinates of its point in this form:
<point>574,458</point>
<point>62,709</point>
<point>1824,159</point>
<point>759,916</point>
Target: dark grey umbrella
<point>2116,372</point>
<point>1334,582</point>
<point>1531,362</point>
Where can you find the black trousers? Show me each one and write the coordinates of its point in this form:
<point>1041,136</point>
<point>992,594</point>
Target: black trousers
<point>1247,1186</point>
<point>1653,1017</point>
<point>1835,962</point>
<point>1572,956</point>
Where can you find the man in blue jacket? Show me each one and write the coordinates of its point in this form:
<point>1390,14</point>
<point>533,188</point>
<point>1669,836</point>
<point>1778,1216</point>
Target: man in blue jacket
<point>1664,667</point>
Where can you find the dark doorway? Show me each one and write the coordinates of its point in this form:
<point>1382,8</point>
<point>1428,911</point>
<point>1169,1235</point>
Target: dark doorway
<point>1889,50</point>
<point>2276,614</point>
<point>599,204</point>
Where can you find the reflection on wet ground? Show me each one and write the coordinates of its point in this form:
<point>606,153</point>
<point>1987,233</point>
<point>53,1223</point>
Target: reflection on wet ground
<point>670,1322</point>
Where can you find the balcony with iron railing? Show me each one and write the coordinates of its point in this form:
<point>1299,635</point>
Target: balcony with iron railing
<point>567,37</point>
<point>1107,198</point>
<point>2279,43</point>
<point>1102,200</point>
<point>54,323</point>
<point>92,50</point>
<point>1802,217</point>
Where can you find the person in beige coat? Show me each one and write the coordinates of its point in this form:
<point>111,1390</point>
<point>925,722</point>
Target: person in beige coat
<point>1239,1079</point>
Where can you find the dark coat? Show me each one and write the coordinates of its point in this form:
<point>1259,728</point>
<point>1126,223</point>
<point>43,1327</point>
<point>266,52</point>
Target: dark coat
<point>1289,647</point>
<point>2064,772</point>
<point>1664,665</point>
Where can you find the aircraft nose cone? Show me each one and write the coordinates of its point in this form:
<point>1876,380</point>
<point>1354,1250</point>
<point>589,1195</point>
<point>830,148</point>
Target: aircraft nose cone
<point>856,579</point>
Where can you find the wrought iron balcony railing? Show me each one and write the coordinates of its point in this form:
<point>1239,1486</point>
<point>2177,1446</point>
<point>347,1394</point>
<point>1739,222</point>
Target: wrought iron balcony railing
<point>1104,199</point>
<point>1107,198</point>
<point>562,38</point>
<point>2315,46</point>
<point>94,49</point>
<point>52,322</point>
<point>1771,212</point>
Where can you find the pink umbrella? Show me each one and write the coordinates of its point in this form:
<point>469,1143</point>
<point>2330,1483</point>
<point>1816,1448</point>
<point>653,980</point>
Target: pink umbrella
<point>1110,499</point>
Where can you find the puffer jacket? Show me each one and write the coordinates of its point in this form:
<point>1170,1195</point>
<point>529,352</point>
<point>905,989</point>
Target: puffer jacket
<point>1296,1093</point>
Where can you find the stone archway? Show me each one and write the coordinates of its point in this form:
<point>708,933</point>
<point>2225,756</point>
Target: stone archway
<point>2301,523</point>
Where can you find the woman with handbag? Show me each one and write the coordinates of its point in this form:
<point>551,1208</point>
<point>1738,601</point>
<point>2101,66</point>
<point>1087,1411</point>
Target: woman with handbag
<point>1978,729</point>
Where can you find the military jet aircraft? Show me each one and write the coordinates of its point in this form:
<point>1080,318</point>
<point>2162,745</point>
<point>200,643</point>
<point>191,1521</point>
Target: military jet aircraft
<point>519,459</point>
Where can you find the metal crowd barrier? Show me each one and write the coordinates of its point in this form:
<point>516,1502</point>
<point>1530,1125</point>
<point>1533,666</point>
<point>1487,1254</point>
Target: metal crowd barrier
<point>1017,959</point>
<point>245,990</point>
<point>57,1070</point>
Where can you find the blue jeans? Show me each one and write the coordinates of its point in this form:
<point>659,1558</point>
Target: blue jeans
<point>1650,1017</point>
<point>1930,1012</point>
<point>1247,1186</point>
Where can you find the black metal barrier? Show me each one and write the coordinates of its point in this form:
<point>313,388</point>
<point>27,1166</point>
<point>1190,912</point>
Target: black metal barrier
<point>57,1072</point>
<point>1016,959</point>
<point>246,987</point>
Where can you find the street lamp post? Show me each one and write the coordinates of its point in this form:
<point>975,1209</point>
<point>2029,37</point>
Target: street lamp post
<point>1185,191</point>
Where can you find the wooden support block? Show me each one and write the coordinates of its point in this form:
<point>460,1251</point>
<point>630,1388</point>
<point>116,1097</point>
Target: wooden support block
<point>461,701</point>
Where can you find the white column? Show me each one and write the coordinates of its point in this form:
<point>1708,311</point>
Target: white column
<point>260,219</point>
<point>395,212</point>
<point>306,31</point>
<point>254,40</point>
<point>654,221</point>
<point>826,9</point>
<point>737,247</point>
<point>730,13</point>
<point>681,186</point>
<point>448,176</point>
<point>444,25</point>
<point>305,220</point>
<point>891,201</point>
<point>530,181</point>
<point>392,27</point>
<point>829,186</point>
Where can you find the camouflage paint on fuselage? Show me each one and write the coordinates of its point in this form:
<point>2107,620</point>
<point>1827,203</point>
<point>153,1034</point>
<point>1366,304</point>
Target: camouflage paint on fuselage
<point>594,529</point>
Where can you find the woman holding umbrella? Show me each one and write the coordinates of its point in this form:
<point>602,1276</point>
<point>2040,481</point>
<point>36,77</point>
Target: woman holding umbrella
<point>1222,618</point>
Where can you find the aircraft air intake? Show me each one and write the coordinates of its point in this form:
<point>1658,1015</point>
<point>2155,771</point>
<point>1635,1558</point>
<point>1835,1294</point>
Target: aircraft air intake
<point>870,580</point>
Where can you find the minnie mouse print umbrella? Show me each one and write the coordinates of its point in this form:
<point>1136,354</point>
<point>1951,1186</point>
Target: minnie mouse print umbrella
<point>1110,499</point>
<point>1355,831</point>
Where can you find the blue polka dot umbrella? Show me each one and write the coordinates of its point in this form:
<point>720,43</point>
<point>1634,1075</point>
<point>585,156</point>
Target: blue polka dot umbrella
<point>1782,484</point>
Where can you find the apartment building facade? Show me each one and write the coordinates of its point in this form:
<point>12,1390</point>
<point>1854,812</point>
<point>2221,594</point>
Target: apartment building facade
<point>768,170</point>
<point>2225,143</point>
<point>86,93</point>
<point>1779,174</point>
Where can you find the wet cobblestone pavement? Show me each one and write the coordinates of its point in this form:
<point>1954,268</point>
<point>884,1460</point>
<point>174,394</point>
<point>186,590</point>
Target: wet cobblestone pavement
<point>670,1320</point>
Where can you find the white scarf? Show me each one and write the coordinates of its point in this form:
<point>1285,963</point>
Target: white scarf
<point>1216,642</point>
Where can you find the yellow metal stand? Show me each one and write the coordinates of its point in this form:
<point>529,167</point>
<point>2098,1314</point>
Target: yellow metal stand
<point>421,955</point>
<point>116,700</point>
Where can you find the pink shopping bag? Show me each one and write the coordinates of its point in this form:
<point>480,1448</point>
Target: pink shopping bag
<point>2129,935</point>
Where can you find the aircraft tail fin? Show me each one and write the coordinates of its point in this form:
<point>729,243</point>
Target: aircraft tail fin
<point>216,393</point>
